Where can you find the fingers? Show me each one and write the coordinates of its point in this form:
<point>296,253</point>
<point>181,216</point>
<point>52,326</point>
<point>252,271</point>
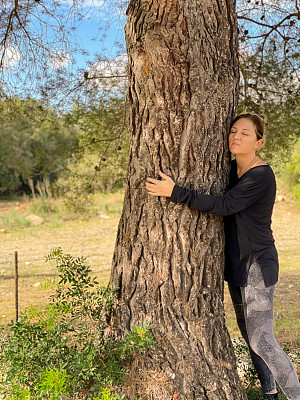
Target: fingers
<point>152,180</point>
<point>163,175</point>
<point>152,189</point>
<point>150,186</point>
<point>156,180</point>
<point>161,187</point>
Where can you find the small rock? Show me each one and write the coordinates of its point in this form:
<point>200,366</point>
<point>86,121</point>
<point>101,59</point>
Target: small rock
<point>102,215</point>
<point>27,263</point>
<point>2,230</point>
<point>280,197</point>
<point>37,284</point>
<point>291,286</point>
<point>35,220</point>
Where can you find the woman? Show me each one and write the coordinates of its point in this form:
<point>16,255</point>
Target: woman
<point>251,261</point>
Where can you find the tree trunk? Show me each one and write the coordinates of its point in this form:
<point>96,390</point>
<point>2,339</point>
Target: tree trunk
<point>168,262</point>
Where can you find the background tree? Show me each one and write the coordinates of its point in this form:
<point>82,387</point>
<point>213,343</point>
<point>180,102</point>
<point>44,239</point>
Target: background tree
<point>271,90</point>
<point>168,260</point>
<point>45,35</point>
<point>100,161</point>
<point>34,143</point>
<point>265,25</point>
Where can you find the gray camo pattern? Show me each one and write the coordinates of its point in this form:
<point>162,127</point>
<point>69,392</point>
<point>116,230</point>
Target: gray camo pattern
<point>258,311</point>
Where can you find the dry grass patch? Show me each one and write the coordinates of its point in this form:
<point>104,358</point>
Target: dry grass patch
<point>93,237</point>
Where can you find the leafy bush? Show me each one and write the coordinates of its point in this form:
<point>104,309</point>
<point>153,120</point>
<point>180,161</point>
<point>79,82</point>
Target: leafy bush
<point>248,373</point>
<point>63,351</point>
<point>35,142</point>
<point>245,367</point>
<point>293,173</point>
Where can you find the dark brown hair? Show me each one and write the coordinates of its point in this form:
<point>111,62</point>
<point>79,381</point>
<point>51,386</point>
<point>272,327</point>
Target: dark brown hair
<point>258,122</point>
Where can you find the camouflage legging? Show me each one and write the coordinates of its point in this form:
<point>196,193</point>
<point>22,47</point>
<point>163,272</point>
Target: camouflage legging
<point>258,312</point>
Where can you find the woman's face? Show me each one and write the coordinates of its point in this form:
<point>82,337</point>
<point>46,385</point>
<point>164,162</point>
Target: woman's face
<point>243,139</point>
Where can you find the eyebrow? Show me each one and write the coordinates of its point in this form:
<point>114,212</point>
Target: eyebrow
<point>243,129</point>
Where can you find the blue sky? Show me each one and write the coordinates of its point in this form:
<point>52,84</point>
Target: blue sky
<point>90,29</point>
<point>94,26</point>
<point>101,28</point>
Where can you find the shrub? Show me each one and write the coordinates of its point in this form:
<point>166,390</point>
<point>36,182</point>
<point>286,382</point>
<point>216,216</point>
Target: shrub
<point>292,173</point>
<point>248,373</point>
<point>62,351</point>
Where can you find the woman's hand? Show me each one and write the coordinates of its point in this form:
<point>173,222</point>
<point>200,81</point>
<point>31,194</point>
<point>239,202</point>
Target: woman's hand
<point>160,188</point>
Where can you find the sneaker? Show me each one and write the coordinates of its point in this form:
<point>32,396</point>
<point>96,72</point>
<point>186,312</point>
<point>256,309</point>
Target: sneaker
<point>270,396</point>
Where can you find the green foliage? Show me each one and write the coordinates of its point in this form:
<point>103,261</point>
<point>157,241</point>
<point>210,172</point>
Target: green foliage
<point>101,161</point>
<point>106,394</point>
<point>13,220</point>
<point>35,142</point>
<point>42,207</point>
<point>296,193</point>
<point>248,373</point>
<point>63,350</point>
<point>271,90</point>
<point>291,174</point>
<point>19,393</point>
<point>244,363</point>
<point>54,383</point>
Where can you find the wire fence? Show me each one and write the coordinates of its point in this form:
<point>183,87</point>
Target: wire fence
<point>19,281</point>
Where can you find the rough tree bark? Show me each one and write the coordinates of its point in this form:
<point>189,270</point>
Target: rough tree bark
<point>168,260</point>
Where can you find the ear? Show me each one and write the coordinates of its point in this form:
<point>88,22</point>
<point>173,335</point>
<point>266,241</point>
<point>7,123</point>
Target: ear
<point>258,144</point>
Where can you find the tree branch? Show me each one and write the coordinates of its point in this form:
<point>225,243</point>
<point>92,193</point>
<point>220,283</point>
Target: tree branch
<point>4,40</point>
<point>272,27</point>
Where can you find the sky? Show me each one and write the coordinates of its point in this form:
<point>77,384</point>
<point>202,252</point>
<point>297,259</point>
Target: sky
<point>94,31</point>
<point>101,28</point>
<point>78,38</point>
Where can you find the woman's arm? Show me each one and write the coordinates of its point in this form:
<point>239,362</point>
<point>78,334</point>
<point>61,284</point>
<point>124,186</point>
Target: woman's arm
<point>246,192</point>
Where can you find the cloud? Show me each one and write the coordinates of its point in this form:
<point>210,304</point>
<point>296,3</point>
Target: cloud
<point>11,56</point>
<point>85,3</point>
<point>102,10</point>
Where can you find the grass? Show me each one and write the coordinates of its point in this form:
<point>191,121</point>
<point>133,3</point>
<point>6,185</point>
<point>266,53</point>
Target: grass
<point>92,233</point>
<point>55,211</point>
<point>88,234</point>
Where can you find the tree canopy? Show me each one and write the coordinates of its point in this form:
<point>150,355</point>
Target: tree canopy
<point>39,42</point>
<point>39,57</point>
<point>35,143</point>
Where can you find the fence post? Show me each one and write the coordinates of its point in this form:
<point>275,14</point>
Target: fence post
<point>16,286</point>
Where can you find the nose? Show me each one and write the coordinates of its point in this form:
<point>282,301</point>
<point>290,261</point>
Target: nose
<point>236,135</point>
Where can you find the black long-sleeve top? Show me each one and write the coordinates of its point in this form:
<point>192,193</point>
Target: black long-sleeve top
<point>247,209</point>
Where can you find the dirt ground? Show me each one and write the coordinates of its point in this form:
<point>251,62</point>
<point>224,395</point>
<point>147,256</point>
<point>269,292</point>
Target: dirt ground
<point>95,239</point>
